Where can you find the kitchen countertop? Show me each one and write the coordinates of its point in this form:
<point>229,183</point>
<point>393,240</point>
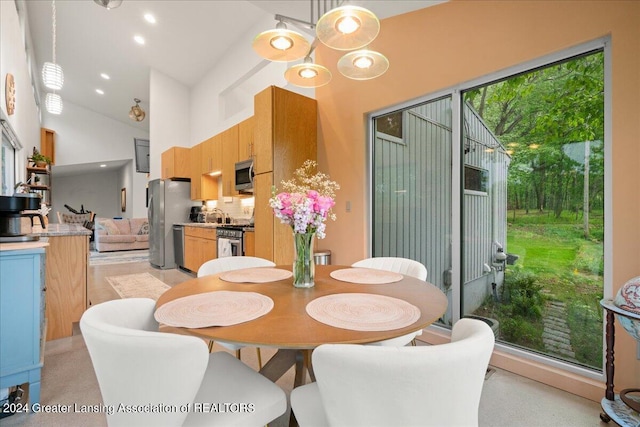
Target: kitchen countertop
<point>21,246</point>
<point>60,230</point>
<point>245,227</point>
<point>199,224</point>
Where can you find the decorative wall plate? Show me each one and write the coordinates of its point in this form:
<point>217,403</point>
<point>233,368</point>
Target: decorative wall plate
<point>10,94</point>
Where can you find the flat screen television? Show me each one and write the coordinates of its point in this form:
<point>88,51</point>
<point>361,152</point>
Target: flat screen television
<point>142,155</point>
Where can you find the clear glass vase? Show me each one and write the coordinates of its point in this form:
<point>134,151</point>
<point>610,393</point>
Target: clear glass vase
<point>303,262</point>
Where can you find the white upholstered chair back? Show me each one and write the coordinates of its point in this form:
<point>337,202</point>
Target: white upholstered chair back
<point>136,365</point>
<point>218,265</point>
<point>405,266</point>
<point>437,385</point>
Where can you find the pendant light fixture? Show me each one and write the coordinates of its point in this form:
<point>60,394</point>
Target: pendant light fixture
<point>347,28</point>
<point>53,103</point>
<point>52,75</point>
<point>136,113</point>
<point>308,74</point>
<point>281,44</point>
<point>340,28</point>
<point>363,64</point>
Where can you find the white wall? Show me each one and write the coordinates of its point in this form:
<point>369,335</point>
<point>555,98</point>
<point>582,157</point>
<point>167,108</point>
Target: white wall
<point>99,192</point>
<point>212,113</point>
<point>169,125</point>
<point>13,59</point>
<point>83,136</point>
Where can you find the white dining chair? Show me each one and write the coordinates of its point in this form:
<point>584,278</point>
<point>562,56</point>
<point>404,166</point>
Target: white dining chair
<point>219,265</point>
<point>138,367</point>
<point>359,385</point>
<point>405,266</point>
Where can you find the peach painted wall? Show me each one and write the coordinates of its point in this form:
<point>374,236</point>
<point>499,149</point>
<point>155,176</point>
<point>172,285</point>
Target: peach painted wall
<point>438,47</point>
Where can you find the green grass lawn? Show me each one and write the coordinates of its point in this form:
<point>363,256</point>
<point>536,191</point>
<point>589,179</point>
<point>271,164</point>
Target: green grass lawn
<point>569,268</point>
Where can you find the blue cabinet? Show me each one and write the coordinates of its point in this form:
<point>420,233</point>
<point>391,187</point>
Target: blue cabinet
<point>21,318</point>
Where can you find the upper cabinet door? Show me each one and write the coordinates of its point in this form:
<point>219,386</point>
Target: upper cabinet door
<point>245,139</point>
<point>212,155</point>
<point>229,159</point>
<point>176,163</point>
<point>263,133</point>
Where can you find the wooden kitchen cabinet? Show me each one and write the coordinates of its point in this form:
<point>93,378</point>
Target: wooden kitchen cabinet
<point>176,163</point>
<point>196,172</point>
<point>249,243</point>
<point>286,131</point>
<point>212,155</point>
<point>200,245</point>
<point>203,185</point>
<point>67,259</point>
<point>285,136</point>
<point>229,140</point>
<point>245,139</point>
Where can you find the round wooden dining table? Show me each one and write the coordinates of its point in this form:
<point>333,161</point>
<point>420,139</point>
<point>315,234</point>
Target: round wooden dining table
<point>295,333</point>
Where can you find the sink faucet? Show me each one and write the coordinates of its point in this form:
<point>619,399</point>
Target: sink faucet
<point>220,215</point>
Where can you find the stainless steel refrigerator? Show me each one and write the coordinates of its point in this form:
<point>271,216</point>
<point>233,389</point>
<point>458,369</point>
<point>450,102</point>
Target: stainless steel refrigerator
<point>169,203</point>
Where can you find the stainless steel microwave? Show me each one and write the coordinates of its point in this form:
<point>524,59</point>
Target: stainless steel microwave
<point>244,176</point>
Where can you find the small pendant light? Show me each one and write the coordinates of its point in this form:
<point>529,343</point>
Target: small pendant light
<point>53,103</point>
<point>347,27</point>
<point>137,113</point>
<point>281,44</point>
<point>52,75</point>
<point>308,74</point>
<point>363,64</point>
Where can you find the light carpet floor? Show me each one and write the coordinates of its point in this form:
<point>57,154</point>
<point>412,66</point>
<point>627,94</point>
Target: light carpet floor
<point>141,285</point>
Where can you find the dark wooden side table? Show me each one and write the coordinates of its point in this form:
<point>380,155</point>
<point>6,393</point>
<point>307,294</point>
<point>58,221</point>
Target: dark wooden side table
<point>621,408</point>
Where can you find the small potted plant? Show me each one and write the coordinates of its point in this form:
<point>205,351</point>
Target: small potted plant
<point>39,160</point>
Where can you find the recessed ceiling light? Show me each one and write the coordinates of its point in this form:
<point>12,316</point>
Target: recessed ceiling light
<point>103,166</point>
<point>139,39</point>
<point>149,18</point>
<point>100,91</point>
<point>105,76</point>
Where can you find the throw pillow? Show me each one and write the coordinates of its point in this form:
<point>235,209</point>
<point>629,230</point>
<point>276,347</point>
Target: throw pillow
<point>144,228</point>
<point>107,225</point>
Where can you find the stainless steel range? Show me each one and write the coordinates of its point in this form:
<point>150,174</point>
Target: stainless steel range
<point>230,241</point>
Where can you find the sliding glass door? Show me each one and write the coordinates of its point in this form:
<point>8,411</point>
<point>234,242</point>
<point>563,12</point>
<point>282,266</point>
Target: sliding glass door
<point>498,189</point>
<point>533,208</point>
<point>412,195</point>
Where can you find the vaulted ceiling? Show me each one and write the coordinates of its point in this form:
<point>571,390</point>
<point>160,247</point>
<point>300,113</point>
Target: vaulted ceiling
<point>187,40</point>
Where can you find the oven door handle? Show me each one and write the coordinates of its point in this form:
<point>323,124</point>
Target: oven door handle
<point>235,242</point>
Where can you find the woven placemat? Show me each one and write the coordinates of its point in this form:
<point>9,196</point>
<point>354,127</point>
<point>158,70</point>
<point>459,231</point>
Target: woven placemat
<point>255,275</point>
<point>366,276</point>
<point>363,312</point>
<point>218,308</point>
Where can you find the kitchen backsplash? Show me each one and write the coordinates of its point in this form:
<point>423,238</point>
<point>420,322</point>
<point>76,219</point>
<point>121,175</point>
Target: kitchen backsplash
<point>235,207</point>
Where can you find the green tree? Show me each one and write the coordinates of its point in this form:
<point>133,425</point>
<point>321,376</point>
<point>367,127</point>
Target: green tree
<point>535,116</point>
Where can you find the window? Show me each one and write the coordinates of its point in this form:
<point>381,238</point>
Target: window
<point>475,179</point>
<point>546,206</point>
<point>389,126</point>
<point>8,160</point>
<point>532,144</point>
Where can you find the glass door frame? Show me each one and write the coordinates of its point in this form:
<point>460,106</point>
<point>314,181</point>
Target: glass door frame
<point>455,92</point>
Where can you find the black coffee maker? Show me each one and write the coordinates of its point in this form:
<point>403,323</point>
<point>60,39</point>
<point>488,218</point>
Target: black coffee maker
<point>195,214</point>
<point>11,212</point>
